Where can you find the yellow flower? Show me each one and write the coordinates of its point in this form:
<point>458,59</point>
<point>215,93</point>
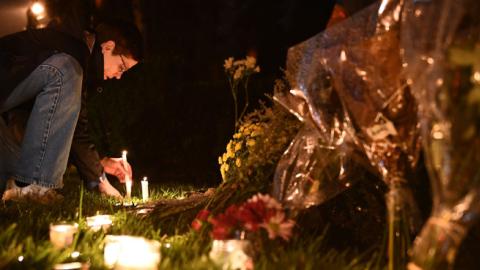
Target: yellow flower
<point>247,130</point>
<point>238,73</point>
<point>257,131</point>
<point>251,142</point>
<point>225,157</point>
<point>228,63</point>
<point>257,69</point>
<point>237,135</point>
<point>250,62</point>
<point>238,162</point>
<point>230,145</point>
<point>226,167</point>
<point>238,147</point>
<point>220,161</point>
<point>230,153</point>
<point>222,171</point>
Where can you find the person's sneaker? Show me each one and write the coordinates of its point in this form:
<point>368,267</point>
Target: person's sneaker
<point>108,190</point>
<point>32,192</point>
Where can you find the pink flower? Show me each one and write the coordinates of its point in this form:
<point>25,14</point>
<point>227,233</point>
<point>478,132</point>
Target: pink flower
<point>269,202</point>
<point>278,226</point>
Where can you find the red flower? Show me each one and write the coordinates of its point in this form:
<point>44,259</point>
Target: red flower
<point>261,211</point>
<point>203,215</point>
<point>221,232</point>
<point>201,218</point>
<point>251,217</point>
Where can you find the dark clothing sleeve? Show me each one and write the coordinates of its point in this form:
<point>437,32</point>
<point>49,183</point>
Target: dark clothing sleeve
<point>83,153</point>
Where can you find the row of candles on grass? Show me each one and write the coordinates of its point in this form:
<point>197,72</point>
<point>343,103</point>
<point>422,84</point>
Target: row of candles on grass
<point>120,251</point>
<point>129,182</point>
<point>125,252</point>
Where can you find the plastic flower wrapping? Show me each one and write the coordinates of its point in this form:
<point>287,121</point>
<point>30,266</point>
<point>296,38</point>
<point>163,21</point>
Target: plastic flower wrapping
<point>322,159</point>
<point>349,89</point>
<point>441,45</point>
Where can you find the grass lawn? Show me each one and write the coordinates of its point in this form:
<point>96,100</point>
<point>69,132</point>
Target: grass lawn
<point>24,236</point>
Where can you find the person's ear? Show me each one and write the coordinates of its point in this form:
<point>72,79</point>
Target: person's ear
<point>108,46</point>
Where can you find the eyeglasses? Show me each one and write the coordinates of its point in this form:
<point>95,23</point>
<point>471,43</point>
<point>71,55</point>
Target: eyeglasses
<point>124,66</point>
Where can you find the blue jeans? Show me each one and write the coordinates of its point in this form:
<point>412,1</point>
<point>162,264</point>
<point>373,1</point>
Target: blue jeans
<point>41,159</point>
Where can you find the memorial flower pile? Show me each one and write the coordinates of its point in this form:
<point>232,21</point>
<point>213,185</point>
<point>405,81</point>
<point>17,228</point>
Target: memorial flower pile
<point>259,214</point>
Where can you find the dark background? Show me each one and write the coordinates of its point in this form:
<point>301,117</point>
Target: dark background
<point>174,113</point>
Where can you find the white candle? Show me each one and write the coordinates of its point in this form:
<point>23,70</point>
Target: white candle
<point>231,254</point>
<point>61,235</point>
<point>128,186</point>
<point>99,222</point>
<point>128,181</point>
<point>124,252</point>
<point>144,189</point>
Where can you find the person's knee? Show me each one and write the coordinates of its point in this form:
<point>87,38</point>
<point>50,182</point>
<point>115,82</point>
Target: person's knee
<point>68,75</point>
<point>68,67</point>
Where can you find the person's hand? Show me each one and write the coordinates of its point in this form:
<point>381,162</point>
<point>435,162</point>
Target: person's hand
<point>117,168</point>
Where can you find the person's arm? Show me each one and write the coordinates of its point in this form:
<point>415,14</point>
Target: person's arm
<point>86,158</point>
<point>83,153</point>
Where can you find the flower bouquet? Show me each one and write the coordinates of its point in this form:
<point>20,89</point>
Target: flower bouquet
<point>441,41</point>
<point>373,110</point>
<point>244,228</point>
<point>368,77</point>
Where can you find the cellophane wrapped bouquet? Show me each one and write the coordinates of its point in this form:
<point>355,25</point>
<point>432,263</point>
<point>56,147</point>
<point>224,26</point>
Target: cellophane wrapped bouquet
<point>441,46</point>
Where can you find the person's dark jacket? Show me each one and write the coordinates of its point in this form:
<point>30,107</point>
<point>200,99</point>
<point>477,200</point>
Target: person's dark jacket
<point>22,52</point>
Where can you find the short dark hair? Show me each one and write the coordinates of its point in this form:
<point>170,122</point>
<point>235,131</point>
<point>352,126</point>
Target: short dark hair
<point>127,37</point>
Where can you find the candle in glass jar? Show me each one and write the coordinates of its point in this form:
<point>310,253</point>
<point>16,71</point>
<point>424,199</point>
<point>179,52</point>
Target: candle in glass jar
<point>145,189</point>
<point>61,235</point>
<point>99,222</point>
<point>124,252</point>
<point>232,254</point>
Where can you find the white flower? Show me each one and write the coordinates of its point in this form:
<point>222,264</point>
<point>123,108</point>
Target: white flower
<point>228,63</point>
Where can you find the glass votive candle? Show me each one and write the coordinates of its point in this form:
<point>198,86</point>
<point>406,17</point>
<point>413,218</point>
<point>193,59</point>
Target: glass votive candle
<point>72,266</point>
<point>98,222</point>
<point>232,254</point>
<point>123,252</point>
<point>61,235</point>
